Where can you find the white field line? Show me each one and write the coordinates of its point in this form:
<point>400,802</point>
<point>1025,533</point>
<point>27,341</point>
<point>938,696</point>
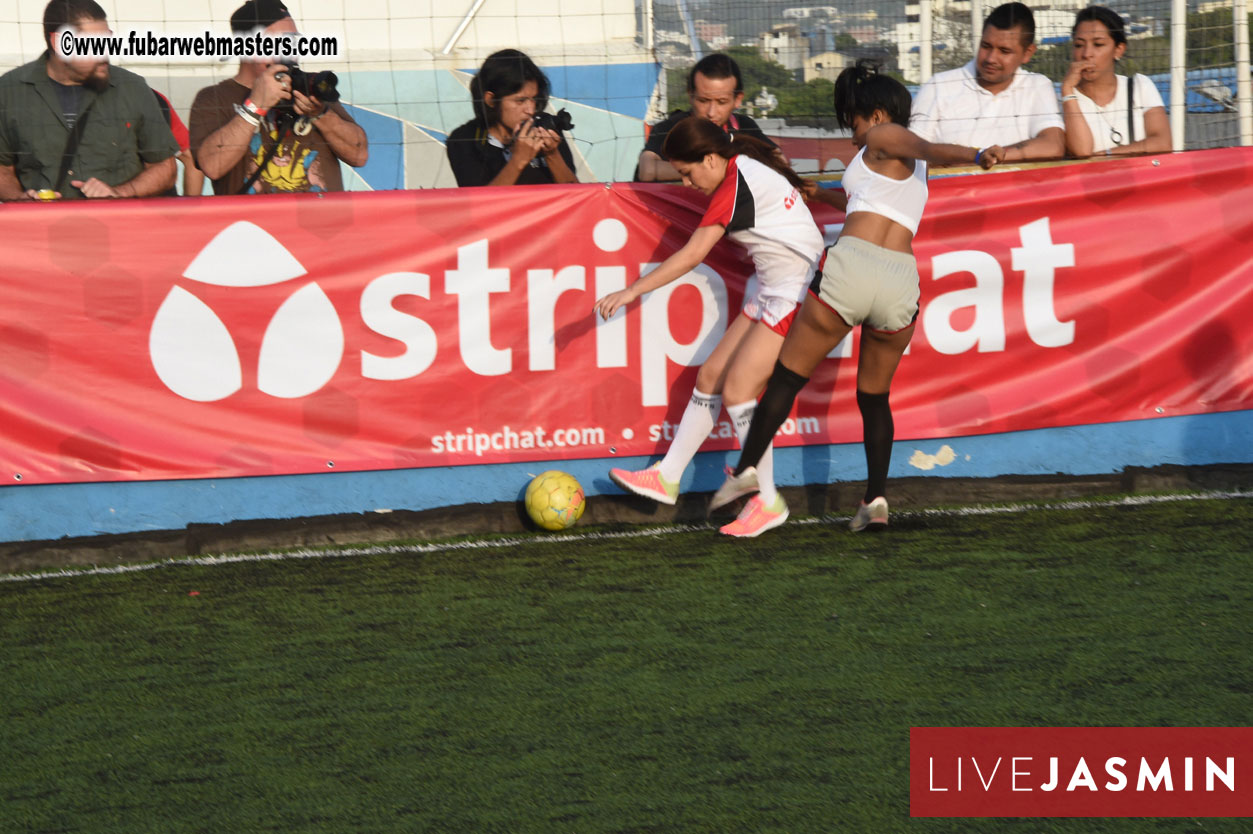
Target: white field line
<point>648,532</point>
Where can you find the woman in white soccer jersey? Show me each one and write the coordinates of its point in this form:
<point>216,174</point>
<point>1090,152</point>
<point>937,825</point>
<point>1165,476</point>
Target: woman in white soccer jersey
<point>756,201</point>
<point>869,278</point>
<point>1106,112</point>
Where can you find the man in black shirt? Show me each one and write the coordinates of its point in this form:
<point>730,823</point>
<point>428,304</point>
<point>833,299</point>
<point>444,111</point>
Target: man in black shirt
<point>715,90</point>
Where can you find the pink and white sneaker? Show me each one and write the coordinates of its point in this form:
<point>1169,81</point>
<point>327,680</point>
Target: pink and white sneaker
<point>871,517</point>
<point>648,483</point>
<point>756,518</point>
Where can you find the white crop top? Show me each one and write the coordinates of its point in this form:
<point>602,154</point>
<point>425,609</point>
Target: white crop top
<point>898,200</point>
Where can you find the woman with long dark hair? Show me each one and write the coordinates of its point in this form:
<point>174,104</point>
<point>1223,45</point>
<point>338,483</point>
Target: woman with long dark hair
<point>502,144</point>
<point>1104,111</point>
<point>755,201</point>
<point>869,278</point>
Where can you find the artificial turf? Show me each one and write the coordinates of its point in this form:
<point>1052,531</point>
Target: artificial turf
<point>683,682</point>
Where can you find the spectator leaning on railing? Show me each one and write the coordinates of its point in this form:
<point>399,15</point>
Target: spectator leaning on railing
<point>254,130</point>
<point>503,144</point>
<point>992,100</point>
<point>80,128</point>
<point>715,90</point>
<point>1106,112</point>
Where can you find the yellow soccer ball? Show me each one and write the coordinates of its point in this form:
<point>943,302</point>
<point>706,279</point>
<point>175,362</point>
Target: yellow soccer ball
<point>554,500</point>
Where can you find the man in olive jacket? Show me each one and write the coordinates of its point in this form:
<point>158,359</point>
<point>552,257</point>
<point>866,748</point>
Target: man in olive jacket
<point>124,148</point>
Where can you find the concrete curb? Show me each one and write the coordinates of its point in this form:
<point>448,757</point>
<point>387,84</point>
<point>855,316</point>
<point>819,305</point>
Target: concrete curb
<point>508,517</point>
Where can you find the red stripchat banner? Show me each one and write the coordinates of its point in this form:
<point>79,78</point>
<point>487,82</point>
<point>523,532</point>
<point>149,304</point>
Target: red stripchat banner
<point>1081,771</point>
<point>233,336</point>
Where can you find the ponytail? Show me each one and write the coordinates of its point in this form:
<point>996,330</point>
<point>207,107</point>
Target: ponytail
<point>862,89</point>
<point>764,153</point>
<point>694,138</point>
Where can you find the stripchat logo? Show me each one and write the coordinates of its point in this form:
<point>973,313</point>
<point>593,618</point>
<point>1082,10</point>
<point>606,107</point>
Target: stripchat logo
<point>195,355</point>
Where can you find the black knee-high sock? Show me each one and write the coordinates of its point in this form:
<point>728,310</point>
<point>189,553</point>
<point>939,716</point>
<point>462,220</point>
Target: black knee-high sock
<point>877,429</point>
<point>771,411</point>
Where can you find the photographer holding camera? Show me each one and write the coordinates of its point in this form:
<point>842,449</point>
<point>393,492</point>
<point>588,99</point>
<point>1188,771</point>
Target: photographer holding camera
<point>511,140</point>
<point>273,127</point>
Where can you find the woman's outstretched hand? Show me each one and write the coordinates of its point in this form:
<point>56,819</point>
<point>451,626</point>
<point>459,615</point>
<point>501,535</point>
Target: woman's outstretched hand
<point>610,304</point>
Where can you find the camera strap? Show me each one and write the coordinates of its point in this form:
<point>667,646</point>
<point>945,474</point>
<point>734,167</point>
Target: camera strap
<point>71,147</point>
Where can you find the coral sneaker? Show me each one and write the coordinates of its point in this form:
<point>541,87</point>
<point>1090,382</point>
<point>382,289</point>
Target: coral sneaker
<point>756,518</point>
<point>871,517</point>
<point>646,482</point>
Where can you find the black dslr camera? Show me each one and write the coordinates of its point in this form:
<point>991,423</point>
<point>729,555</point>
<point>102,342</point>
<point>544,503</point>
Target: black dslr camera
<point>555,122</point>
<point>320,85</point>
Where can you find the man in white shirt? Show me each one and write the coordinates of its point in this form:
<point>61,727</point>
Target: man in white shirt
<point>993,100</point>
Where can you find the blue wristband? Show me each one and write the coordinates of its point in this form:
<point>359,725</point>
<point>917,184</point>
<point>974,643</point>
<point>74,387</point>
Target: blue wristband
<point>979,154</point>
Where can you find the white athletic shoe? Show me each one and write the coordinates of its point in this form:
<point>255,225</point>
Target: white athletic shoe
<point>872,517</point>
<point>734,487</point>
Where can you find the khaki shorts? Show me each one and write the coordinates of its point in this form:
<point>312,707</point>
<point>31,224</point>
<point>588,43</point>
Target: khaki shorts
<point>867,284</point>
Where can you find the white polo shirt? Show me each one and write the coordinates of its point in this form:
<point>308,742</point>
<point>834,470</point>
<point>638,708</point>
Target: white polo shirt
<point>952,107</point>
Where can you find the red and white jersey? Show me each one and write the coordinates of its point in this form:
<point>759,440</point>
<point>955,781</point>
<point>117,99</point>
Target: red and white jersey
<point>762,212</point>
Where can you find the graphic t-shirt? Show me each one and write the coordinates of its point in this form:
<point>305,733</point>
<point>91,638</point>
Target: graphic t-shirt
<point>299,163</point>
<point>71,98</point>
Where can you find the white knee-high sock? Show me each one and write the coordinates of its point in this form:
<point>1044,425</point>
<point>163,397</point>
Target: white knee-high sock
<point>742,417</point>
<point>698,421</point>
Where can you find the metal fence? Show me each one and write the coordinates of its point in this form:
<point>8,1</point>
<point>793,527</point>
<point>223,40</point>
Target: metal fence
<point>791,53</point>
<point>620,65</point>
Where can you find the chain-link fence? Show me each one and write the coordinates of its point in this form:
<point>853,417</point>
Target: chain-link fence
<point>619,66</point>
<point>790,54</point>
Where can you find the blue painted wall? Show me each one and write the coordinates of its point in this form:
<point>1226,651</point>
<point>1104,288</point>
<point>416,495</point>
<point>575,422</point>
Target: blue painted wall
<point>608,103</point>
<point>29,513</point>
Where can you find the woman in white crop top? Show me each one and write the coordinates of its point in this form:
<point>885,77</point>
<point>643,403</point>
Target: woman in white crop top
<point>901,200</point>
<point>869,278</point>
